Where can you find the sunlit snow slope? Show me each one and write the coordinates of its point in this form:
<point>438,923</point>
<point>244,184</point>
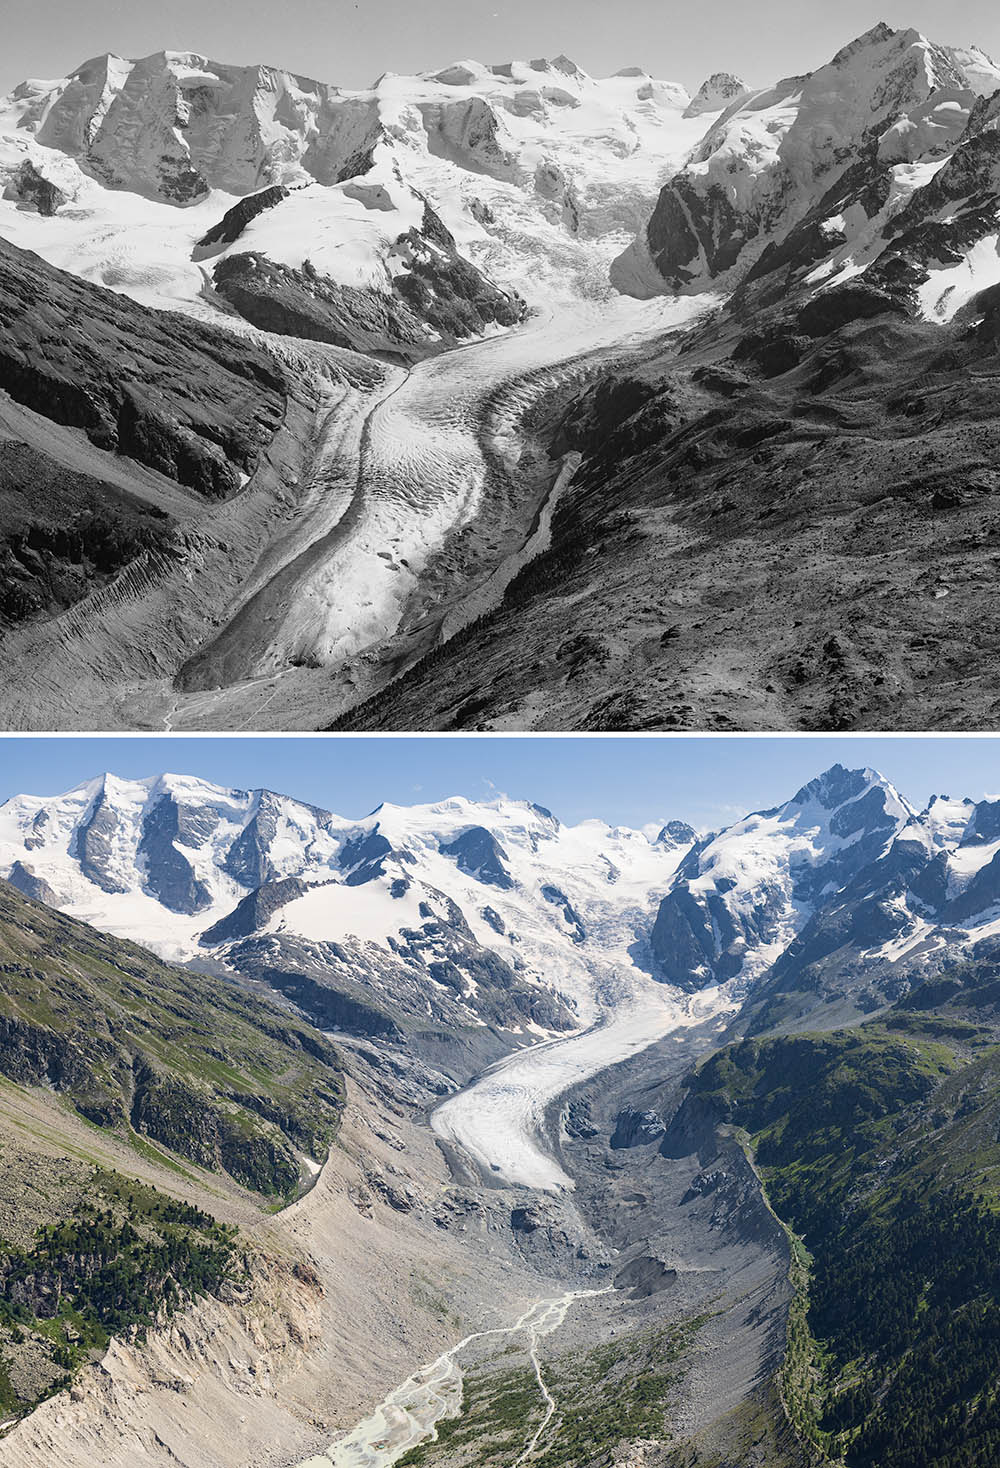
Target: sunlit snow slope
<point>540,171</point>
<point>483,898</point>
<point>836,170</point>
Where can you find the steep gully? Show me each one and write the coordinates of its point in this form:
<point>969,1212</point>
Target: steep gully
<point>499,1121</point>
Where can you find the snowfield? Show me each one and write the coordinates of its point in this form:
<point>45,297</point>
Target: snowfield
<point>540,172</point>
<point>565,907</point>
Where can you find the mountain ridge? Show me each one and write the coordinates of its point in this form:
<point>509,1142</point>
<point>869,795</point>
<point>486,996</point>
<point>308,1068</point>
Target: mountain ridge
<point>858,140</point>
<point>474,144</point>
<point>492,919</point>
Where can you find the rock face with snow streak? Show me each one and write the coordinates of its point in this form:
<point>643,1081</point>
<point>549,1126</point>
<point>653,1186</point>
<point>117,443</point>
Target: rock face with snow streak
<point>175,125</point>
<point>814,172</point>
<point>947,235</point>
<point>184,400</point>
<point>436,301</point>
<point>716,94</point>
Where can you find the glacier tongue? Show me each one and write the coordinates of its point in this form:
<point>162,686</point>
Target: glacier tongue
<point>500,1119</point>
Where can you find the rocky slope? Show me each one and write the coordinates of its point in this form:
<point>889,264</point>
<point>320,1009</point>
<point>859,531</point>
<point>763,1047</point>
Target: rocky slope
<point>90,360</point>
<point>214,1075</point>
<point>185,1339</point>
<point>141,1118</point>
<point>794,525</point>
<point>163,414</point>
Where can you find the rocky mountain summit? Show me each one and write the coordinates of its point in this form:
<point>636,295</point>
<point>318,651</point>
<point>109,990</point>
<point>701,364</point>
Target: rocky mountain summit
<point>717,92</point>
<point>842,899</point>
<point>818,177</point>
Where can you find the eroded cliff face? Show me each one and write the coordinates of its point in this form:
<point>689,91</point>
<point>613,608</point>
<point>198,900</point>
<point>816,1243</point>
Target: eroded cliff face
<point>206,1388</point>
<point>346,1291</point>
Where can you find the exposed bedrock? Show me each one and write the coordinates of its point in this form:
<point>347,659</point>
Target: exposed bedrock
<point>439,299</point>
<point>184,399</point>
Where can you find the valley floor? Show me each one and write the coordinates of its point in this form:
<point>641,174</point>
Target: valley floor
<point>507,1271</point>
<point>644,1306</point>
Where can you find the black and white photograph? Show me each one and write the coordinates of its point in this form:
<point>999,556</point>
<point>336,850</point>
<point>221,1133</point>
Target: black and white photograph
<point>651,388</point>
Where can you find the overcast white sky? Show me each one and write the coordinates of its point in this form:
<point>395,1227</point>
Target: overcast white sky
<point>350,42</point>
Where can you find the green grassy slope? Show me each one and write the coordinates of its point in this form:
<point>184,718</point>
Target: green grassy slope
<point>179,1071</point>
<point>185,1060</point>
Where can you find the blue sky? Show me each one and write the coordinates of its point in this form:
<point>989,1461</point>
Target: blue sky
<point>626,781</point>
<point>350,42</point>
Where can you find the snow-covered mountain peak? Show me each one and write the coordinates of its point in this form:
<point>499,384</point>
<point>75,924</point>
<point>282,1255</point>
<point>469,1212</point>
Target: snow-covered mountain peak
<point>717,92</point>
<point>813,170</point>
<point>838,788</point>
<point>538,171</point>
<point>462,912</point>
<point>942,823</point>
<point>741,895</point>
<point>835,810</point>
<point>676,833</point>
<point>495,901</point>
<point>981,72</point>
